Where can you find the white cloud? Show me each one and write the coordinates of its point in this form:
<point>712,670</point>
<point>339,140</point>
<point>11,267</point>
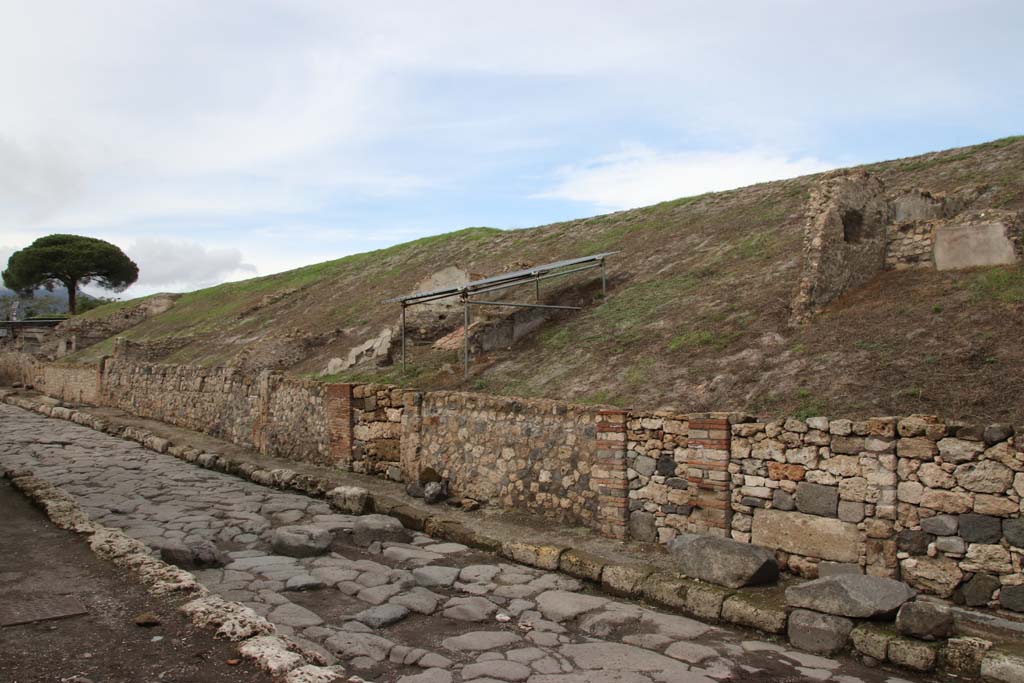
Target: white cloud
<point>169,265</point>
<point>638,175</point>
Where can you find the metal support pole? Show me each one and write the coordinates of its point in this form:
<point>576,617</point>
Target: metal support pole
<point>465,338</point>
<point>403,338</point>
<point>537,281</point>
<point>604,281</point>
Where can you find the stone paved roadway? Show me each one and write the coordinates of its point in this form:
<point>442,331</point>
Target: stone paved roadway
<point>412,609</point>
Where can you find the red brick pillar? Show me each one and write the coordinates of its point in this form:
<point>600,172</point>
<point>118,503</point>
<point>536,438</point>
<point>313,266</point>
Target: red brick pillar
<point>610,474</point>
<point>339,423</point>
<point>708,473</point>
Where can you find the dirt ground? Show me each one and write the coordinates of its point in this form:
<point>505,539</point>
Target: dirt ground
<point>37,560</point>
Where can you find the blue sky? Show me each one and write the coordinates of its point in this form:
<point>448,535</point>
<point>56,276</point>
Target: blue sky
<point>215,141</point>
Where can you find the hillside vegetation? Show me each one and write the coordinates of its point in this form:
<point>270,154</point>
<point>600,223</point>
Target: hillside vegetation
<point>695,318</point>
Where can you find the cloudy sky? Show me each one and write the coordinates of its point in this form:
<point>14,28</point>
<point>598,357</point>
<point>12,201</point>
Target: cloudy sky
<point>221,140</point>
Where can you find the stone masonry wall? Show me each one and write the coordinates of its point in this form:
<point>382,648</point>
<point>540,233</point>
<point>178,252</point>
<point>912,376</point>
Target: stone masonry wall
<point>79,383</point>
<point>377,430</point>
<point>678,474</point>
<point>19,368</point>
<point>935,504</point>
<point>275,415</point>
<point>534,455</point>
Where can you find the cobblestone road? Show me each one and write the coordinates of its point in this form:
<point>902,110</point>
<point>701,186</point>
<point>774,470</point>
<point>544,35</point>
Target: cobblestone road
<point>388,604</point>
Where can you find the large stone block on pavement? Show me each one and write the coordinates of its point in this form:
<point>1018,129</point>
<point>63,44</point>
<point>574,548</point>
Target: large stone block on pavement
<point>821,633</point>
<point>352,500</point>
<point>201,555</point>
<point>301,541</point>
<point>851,595</point>
<point>370,528</point>
<point>925,620</point>
<point>823,537</point>
<point>723,561</point>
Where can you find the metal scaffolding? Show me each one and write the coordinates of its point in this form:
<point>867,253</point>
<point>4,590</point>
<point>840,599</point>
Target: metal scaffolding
<point>518,278</point>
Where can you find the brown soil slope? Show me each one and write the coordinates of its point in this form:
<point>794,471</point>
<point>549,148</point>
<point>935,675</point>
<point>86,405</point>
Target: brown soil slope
<point>696,316</point>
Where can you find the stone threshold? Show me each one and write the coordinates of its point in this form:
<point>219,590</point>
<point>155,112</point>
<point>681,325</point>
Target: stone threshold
<point>619,568</point>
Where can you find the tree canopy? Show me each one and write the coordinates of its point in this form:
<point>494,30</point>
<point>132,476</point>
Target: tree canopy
<point>71,260</point>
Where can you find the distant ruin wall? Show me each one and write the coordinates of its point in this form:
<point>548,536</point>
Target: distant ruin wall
<point>937,504</point>
<point>268,412</point>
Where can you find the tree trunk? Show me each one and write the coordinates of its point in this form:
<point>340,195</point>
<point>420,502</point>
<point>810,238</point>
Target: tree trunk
<point>72,296</point>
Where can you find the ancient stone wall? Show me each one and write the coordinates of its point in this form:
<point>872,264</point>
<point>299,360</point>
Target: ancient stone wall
<point>275,415</point>
<point>19,368</point>
<point>75,382</point>
<point>533,455</point>
<point>935,504</point>
<point>678,474</point>
<point>377,412</point>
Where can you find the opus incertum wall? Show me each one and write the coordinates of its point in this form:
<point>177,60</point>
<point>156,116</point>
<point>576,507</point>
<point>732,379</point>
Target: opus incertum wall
<point>937,504</point>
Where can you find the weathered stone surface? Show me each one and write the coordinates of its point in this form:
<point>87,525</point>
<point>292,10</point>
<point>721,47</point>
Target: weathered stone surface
<point>872,640</point>
<point>642,527</point>
<point>560,606</point>
<point>986,476</point>
<point>469,609</point>
<point>382,615</point>
<point>851,595</point>
<point>815,632</point>
<point>197,555</point>
<point>582,565</point>
<point>782,500</point>
<point>925,620</point>
<point>998,667</point>
<point>816,499</point>
<point>913,542</point>
<point>434,492</point>
<point>1013,530</point>
<point>978,591</point>
<point>964,655</point>
<point>352,500</point>
<point>435,575</point>
<point>497,669</point>
<point>940,525</point>
<point>980,528</point>
<point>1012,598</point>
<point>808,535</point>
<point>995,433</point>
<point>301,541</point>
<point>724,561</point>
<point>348,645</point>
<point>912,654</point>
<point>959,450</point>
<point>987,558</point>
<point>539,556</point>
<point>939,575</point>
<point>382,528</point>
<point>476,641</point>
<point>625,580</point>
<point>827,568</point>
<point>946,501</point>
<point>755,611</point>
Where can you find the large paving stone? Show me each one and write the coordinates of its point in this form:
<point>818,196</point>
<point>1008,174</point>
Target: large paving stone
<point>382,615</point>
<point>370,528</point>
<point>476,641</point>
<point>353,500</point>
<point>198,555</point>
<point>499,669</point>
<point>723,561</point>
<point>808,535</point>
<point>816,632</point>
<point>301,541</point>
<point>561,606</point>
<point>296,616</point>
<point>347,645</point>
<point>851,595</point>
<point>620,657</point>
<point>469,609</point>
<point>428,676</point>
<point>435,576</point>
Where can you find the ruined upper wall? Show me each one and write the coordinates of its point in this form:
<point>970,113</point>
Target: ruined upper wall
<point>844,239</point>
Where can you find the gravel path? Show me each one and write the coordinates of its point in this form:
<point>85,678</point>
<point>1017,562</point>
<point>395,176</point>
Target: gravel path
<point>389,604</point>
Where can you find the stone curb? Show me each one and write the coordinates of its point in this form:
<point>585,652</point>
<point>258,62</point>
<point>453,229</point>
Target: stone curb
<point>232,621</point>
<point>670,591</point>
